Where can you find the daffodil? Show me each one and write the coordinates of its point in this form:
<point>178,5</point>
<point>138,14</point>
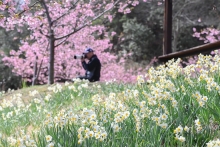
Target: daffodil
<point>48,138</point>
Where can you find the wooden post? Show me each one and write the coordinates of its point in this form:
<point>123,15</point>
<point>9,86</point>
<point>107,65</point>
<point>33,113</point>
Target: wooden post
<point>167,40</point>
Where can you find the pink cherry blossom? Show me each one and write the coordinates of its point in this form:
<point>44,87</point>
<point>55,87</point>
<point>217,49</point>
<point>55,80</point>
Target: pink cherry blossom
<point>57,20</point>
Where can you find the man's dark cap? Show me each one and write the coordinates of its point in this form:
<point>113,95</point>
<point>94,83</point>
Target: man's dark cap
<point>88,50</point>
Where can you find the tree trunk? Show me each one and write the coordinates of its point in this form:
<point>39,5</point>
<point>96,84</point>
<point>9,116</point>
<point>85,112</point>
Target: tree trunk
<point>51,44</point>
<point>51,60</point>
<point>35,72</point>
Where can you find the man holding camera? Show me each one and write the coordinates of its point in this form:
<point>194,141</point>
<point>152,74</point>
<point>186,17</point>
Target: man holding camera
<point>93,67</point>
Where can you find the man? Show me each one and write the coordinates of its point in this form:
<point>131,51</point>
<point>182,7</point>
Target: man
<point>93,67</point>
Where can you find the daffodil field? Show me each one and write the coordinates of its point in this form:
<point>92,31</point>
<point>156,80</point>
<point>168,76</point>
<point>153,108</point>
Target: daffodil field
<point>170,106</point>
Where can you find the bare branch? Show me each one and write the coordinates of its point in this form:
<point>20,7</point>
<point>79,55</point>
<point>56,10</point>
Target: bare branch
<point>43,33</point>
<point>37,72</point>
<point>192,22</point>
<point>61,42</point>
<point>183,7</point>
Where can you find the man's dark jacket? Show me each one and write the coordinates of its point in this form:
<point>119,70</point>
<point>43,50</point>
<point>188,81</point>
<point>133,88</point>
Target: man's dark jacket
<point>93,68</point>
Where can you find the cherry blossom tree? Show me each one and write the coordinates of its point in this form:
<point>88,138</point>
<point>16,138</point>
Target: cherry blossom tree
<point>209,35</point>
<point>59,29</point>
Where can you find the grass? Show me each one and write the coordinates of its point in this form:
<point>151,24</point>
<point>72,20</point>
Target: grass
<point>169,106</point>
<point>42,89</point>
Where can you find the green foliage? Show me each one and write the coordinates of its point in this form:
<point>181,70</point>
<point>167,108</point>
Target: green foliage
<point>9,40</point>
<point>8,80</point>
<point>186,40</point>
<point>139,39</point>
<point>139,32</point>
<point>24,84</point>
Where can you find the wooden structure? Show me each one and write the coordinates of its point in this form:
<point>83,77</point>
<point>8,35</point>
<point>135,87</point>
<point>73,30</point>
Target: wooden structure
<point>167,40</point>
<point>191,51</point>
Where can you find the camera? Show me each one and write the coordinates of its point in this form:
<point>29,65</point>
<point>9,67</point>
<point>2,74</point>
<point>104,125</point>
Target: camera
<point>79,56</point>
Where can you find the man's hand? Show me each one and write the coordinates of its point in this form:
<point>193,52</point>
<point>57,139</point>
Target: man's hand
<point>83,59</point>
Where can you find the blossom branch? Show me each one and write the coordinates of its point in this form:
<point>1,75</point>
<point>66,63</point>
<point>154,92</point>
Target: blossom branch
<point>29,7</point>
<point>88,23</point>
<point>71,8</point>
